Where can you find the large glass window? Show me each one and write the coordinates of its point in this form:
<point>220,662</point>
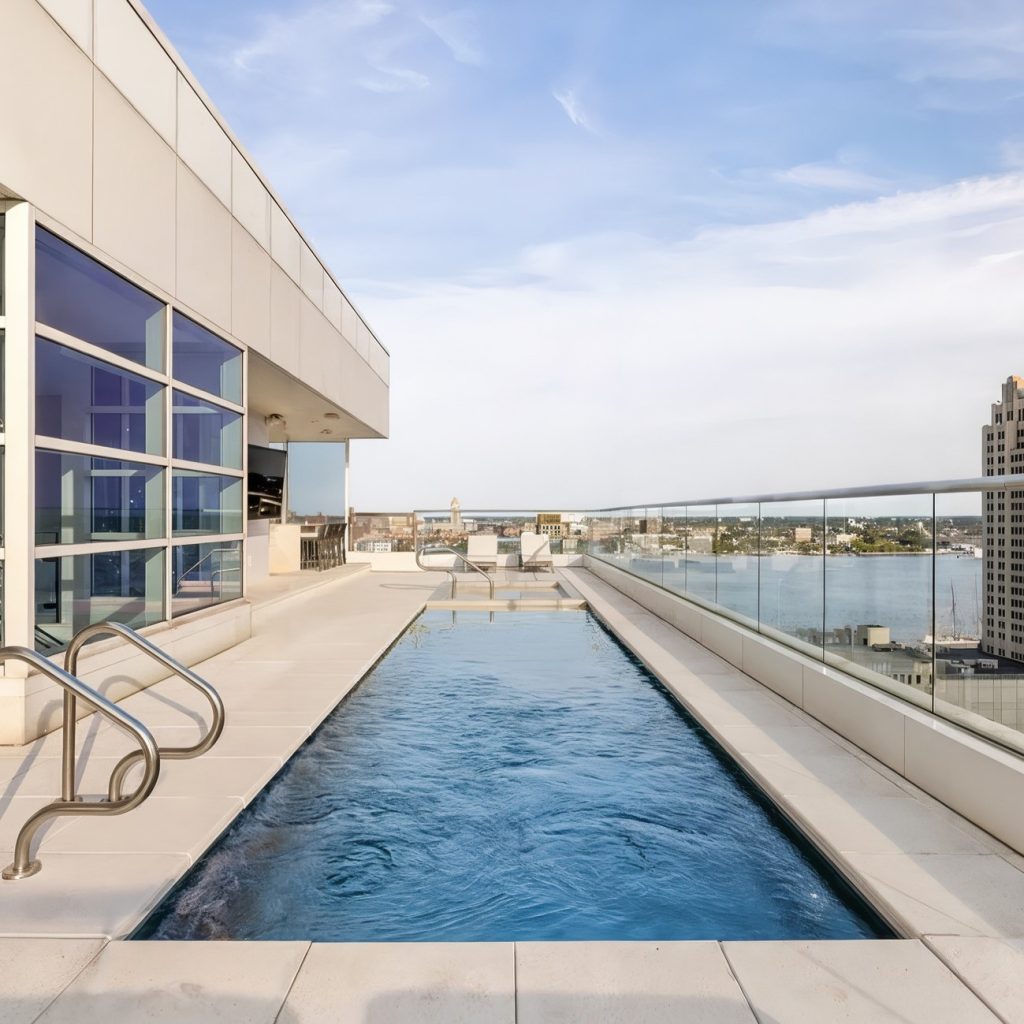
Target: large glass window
<point>205,574</point>
<point>204,432</point>
<point>79,398</point>
<point>206,361</point>
<point>77,590</point>
<point>80,498</point>
<point>83,298</point>
<point>206,503</point>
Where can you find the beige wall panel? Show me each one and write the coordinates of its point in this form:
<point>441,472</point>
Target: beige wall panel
<point>285,243</point>
<point>349,322</point>
<point>312,276</point>
<point>134,189</point>
<point>250,201</point>
<point>332,303</point>
<point>380,361</point>
<point>203,250</point>
<point>320,363</point>
<point>285,303</point>
<point>361,391</point>
<point>250,290</point>
<point>75,17</point>
<point>129,55</point>
<point>363,340</point>
<point>46,138</point>
<point>202,143</point>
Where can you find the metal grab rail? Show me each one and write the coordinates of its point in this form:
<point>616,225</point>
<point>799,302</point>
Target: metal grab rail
<point>23,866</point>
<point>121,769</point>
<point>451,572</point>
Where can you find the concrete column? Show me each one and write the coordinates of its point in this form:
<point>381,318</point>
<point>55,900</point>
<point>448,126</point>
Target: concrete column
<point>19,420</point>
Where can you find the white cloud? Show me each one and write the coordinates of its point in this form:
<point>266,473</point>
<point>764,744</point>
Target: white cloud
<point>457,30</point>
<point>297,34</point>
<point>570,103</point>
<point>1012,153</point>
<point>836,176</point>
<point>859,344</point>
<point>394,80</point>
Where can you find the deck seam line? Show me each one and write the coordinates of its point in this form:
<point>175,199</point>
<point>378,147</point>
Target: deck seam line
<point>926,941</point>
<point>291,985</point>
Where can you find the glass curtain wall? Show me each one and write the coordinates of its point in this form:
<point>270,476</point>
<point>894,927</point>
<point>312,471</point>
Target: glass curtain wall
<point>139,428</point>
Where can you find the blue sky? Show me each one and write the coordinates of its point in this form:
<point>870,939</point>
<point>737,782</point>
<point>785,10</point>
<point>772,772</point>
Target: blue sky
<point>681,248</point>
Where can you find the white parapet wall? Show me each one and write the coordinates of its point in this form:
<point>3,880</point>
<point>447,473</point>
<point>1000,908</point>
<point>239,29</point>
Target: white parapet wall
<point>977,779</point>
<point>32,705</point>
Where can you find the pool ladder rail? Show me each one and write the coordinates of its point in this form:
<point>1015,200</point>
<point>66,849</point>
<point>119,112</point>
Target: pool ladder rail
<point>115,802</point>
<point>434,549</point>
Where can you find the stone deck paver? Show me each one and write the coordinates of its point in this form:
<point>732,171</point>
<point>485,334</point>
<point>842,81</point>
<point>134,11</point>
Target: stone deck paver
<point>934,871</point>
<point>102,875</point>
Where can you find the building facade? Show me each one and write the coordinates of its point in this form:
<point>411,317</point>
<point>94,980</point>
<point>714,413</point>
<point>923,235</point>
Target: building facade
<point>1002,452</point>
<point>160,312</point>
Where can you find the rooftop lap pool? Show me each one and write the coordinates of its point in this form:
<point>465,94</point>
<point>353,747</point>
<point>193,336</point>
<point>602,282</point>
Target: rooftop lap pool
<point>517,779</point>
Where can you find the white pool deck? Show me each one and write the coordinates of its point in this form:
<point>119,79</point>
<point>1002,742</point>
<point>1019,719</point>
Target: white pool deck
<point>952,890</point>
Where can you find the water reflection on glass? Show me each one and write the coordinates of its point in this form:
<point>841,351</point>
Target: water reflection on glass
<point>701,540</point>
<point>792,573</point>
<point>736,548</point>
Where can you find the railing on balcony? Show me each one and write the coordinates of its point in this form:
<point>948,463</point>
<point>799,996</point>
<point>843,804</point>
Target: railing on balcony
<point>916,589</point>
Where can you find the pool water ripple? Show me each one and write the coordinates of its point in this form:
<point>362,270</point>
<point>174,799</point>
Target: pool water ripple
<point>509,780</point>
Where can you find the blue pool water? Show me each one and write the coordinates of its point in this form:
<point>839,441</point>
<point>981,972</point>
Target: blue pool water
<point>518,779</point>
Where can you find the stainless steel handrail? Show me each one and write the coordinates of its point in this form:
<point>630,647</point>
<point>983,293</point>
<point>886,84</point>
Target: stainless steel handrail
<point>965,485</point>
<point>121,769</point>
<point>436,548</point>
<point>23,866</point>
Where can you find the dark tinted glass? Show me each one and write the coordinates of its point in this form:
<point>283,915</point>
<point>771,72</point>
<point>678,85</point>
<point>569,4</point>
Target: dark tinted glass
<point>204,432</point>
<point>80,498</point>
<point>79,398</point>
<point>206,361</point>
<point>206,503</point>
<point>75,591</point>
<point>83,298</point>
<point>205,574</point>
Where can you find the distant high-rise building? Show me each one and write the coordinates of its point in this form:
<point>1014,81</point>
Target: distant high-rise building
<point>1002,452</point>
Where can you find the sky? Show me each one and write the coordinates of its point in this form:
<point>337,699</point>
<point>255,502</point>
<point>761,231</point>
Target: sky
<point>629,252</point>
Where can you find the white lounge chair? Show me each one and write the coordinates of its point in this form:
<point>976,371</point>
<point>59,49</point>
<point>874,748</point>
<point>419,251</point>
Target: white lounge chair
<point>482,550</point>
<point>534,552</point>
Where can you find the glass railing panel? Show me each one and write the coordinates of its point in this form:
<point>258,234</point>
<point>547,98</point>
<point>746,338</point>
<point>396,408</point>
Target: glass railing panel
<point>878,592</point>
<point>792,580</point>
<point>642,543</point>
<point>737,568</point>
<point>701,538</point>
<point>673,548</point>
<point>979,613</point>
<point>601,538</point>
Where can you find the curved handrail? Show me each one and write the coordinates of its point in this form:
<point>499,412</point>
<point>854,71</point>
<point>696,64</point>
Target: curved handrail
<point>451,572</point>
<point>121,769</point>
<point>23,866</point>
